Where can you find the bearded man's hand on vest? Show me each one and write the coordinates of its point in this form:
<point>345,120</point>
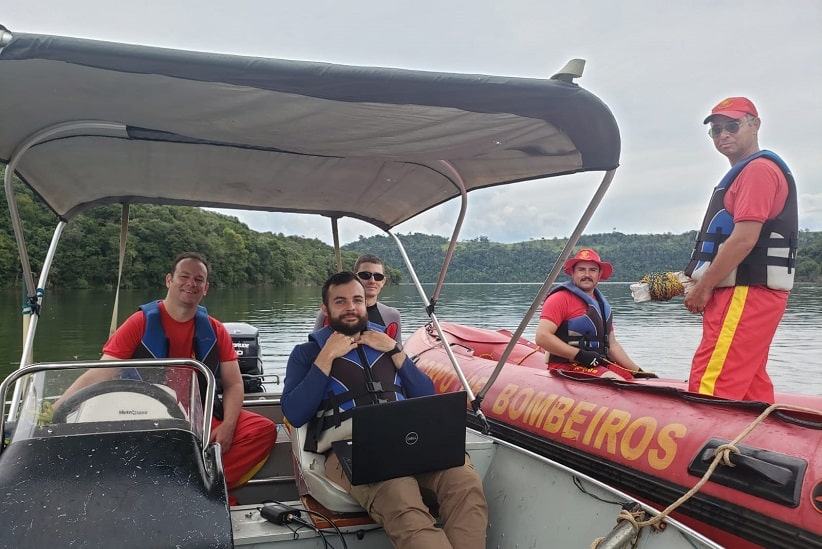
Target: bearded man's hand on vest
<point>589,359</point>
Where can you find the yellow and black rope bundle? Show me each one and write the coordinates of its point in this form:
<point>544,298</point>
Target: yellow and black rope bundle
<point>663,286</point>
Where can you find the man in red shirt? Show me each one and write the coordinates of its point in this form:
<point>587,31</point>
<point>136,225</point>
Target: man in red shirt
<point>576,324</point>
<point>744,260</point>
<point>170,329</point>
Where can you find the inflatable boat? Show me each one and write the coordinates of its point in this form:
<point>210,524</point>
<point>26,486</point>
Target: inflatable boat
<point>649,437</point>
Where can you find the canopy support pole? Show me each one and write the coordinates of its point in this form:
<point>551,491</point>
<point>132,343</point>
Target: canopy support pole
<point>335,232</point>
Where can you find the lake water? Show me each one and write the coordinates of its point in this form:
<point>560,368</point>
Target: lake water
<point>661,337</point>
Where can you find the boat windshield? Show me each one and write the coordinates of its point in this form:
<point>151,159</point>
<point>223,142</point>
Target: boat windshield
<point>130,399</point>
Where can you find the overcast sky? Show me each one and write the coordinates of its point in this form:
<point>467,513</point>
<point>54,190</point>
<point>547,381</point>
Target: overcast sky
<point>660,66</point>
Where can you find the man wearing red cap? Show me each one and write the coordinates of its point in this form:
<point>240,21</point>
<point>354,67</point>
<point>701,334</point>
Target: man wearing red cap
<point>576,323</point>
<point>744,260</point>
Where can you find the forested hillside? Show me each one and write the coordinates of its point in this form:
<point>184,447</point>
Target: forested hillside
<point>633,256</point>
<point>88,253</point>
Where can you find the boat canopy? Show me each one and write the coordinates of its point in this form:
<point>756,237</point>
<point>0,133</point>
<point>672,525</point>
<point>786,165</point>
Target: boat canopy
<point>102,123</point>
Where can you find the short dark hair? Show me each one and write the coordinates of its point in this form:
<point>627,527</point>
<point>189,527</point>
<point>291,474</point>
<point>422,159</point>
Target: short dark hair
<point>338,279</point>
<point>190,255</point>
<point>367,258</point>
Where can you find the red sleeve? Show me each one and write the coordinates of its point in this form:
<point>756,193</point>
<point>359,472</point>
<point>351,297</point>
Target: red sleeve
<point>123,343</point>
<point>759,192</point>
<point>224,342</point>
<point>561,306</point>
<point>555,307</point>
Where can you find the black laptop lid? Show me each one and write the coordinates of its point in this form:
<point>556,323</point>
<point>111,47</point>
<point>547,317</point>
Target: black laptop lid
<point>406,437</point>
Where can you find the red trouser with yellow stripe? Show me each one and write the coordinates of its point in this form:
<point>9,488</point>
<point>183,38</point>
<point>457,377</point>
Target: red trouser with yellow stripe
<point>254,437</point>
<point>738,326</point>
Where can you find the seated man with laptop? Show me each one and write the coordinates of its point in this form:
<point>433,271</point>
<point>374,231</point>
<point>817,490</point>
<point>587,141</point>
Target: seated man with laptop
<point>351,365</point>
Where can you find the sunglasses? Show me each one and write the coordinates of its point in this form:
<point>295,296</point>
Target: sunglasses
<point>366,275</point>
<point>717,129</point>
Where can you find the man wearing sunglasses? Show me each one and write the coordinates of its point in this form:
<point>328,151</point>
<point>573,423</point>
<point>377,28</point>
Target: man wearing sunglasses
<point>370,271</point>
<point>744,259</point>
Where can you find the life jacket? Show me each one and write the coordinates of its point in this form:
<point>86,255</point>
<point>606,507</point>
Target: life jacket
<point>362,377</point>
<point>155,344</point>
<point>589,331</point>
<point>772,261</point>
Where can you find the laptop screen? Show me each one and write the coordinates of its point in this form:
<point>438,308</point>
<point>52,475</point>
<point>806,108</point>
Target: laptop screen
<point>405,438</point>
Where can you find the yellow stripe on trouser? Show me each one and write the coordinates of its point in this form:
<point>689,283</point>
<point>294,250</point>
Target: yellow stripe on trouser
<point>249,475</point>
<point>723,343</point>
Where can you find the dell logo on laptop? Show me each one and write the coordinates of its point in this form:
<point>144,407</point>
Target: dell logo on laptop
<point>411,438</point>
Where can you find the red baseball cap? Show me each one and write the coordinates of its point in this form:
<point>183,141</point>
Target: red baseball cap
<point>733,107</point>
<point>587,254</point>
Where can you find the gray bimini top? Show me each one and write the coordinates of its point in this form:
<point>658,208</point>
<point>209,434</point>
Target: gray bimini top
<point>101,123</point>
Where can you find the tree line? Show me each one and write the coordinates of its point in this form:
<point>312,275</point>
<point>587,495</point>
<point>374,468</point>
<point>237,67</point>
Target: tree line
<point>88,254</point>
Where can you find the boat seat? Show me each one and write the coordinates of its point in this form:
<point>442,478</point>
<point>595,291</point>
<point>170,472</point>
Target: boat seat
<point>310,468</point>
<point>143,488</point>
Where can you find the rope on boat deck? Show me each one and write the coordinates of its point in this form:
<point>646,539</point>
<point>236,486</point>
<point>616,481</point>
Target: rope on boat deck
<point>722,454</point>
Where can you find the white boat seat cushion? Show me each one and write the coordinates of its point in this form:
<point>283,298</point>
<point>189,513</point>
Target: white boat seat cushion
<point>312,469</point>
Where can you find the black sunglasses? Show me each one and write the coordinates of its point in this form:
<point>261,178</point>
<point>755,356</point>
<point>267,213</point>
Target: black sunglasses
<point>717,129</point>
<point>366,275</point>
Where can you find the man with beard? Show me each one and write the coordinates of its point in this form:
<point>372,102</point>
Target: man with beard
<point>371,271</point>
<point>332,373</point>
<point>576,324</point>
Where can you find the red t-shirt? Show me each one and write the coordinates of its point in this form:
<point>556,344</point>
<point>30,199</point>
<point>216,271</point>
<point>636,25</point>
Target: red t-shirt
<point>758,193</point>
<point>127,338</point>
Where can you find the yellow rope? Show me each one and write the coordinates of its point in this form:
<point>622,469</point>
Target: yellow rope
<point>663,286</point>
<point>723,454</point>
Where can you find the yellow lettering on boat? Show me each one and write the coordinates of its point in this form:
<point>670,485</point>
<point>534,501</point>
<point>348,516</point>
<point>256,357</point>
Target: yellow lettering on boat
<point>614,423</point>
<point>501,403</point>
<point>592,425</point>
<point>660,459</point>
<point>538,408</point>
<point>520,402</point>
<point>633,450</point>
<point>556,415</point>
<point>600,428</point>
<point>577,416</point>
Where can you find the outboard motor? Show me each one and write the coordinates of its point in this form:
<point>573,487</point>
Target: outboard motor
<point>246,339</point>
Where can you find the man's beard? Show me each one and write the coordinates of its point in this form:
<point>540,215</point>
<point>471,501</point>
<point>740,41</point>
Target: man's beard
<point>348,329</point>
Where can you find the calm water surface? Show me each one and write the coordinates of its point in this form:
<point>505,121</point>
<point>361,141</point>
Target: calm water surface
<point>659,336</point>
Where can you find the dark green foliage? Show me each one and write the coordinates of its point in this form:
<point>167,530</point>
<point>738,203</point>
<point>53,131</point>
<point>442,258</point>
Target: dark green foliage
<point>633,256</point>
<point>89,251</point>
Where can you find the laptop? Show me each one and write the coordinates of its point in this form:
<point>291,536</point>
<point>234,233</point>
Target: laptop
<point>404,438</point>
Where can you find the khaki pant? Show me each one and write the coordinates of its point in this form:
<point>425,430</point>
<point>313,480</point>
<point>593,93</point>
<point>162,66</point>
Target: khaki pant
<point>397,505</point>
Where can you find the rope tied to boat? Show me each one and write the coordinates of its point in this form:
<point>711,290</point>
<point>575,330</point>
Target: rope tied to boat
<point>625,515</point>
<point>722,455</point>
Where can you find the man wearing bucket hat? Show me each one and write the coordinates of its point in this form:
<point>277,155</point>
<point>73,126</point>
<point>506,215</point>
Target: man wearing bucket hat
<point>743,261</point>
<point>576,324</point>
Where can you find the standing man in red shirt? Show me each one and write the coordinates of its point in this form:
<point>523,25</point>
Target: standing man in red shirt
<point>744,260</point>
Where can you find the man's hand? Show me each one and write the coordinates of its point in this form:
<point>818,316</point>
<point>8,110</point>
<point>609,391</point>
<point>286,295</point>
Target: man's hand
<point>223,434</point>
<point>589,358</point>
<point>46,413</point>
<point>378,341</point>
<point>338,345</point>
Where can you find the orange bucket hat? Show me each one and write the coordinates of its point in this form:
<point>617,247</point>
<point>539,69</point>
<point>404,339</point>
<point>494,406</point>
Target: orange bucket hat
<point>587,254</point>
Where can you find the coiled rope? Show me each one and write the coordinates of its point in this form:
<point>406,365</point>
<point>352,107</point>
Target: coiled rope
<point>663,286</point>
<point>723,455</point>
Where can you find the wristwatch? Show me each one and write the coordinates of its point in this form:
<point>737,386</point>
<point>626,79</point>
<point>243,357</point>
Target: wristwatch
<point>397,349</point>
